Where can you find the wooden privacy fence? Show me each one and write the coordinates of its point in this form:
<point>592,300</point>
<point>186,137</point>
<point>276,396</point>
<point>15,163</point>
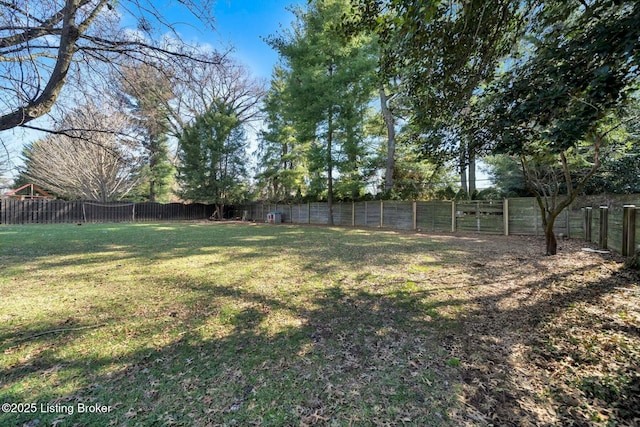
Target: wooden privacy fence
<point>45,211</point>
<point>509,216</point>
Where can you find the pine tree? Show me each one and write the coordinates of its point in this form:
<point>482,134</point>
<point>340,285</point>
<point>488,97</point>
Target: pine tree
<point>212,159</point>
<point>331,80</point>
<point>147,92</point>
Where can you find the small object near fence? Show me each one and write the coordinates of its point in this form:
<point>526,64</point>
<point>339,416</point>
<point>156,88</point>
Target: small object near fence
<point>274,218</point>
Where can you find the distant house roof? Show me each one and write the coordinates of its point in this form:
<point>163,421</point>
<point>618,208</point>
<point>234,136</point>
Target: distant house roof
<point>34,192</point>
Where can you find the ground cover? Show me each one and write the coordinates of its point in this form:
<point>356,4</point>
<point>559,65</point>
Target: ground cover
<point>234,324</point>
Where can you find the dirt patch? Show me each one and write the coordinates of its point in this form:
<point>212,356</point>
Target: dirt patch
<point>547,340</point>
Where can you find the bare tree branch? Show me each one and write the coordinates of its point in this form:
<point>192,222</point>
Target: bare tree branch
<point>34,32</point>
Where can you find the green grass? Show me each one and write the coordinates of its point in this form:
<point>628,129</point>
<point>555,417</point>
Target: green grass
<point>220,324</point>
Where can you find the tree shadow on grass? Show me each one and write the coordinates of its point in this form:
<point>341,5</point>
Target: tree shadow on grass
<point>510,367</point>
<point>362,348</point>
<point>339,356</point>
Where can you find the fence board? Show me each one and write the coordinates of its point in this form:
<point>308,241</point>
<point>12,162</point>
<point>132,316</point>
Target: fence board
<point>342,214</point>
<point>45,211</point>
<point>480,217</point>
<point>614,235</point>
<point>398,215</point>
<point>319,213</point>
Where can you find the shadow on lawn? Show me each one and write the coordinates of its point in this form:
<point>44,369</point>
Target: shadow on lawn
<point>507,359</point>
<point>363,355</point>
<point>347,357</point>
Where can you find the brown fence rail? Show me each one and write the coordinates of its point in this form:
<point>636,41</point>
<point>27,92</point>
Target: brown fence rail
<point>44,211</point>
<point>509,216</point>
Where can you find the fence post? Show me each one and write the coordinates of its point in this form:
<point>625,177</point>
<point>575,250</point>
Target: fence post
<point>505,216</point>
<point>353,213</point>
<point>308,212</point>
<point>604,227</point>
<point>453,216</point>
<point>381,213</point>
<point>415,215</point>
<point>628,230</point>
<point>587,223</point>
<point>366,220</point>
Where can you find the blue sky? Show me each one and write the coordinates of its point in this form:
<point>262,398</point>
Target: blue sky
<point>242,23</point>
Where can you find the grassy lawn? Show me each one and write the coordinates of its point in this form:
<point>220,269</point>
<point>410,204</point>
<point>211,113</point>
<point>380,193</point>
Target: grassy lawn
<point>224,324</point>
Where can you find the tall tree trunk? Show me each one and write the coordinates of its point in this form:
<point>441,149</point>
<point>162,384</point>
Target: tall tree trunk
<point>152,172</point>
<point>472,172</point>
<point>330,156</point>
<point>330,167</point>
<point>391,139</point>
<point>463,168</point>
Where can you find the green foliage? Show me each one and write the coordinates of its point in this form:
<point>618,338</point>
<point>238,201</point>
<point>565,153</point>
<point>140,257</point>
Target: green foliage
<point>418,179</point>
<point>212,158</point>
<point>506,174</point>
<point>453,362</point>
<point>146,92</point>
<point>281,157</point>
<point>557,106</point>
<point>327,85</point>
<point>577,73</point>
<point>443,53</point>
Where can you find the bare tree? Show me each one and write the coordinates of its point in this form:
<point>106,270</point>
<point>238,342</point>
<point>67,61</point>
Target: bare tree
<point>85,163</point>
<point>40,40</point>
<point>199,86</point>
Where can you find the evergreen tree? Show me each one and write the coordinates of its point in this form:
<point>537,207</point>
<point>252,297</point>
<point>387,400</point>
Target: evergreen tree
<point>331,80</point>
<point>147,93</point>
<point>212,159</point>
<point>281,156</point>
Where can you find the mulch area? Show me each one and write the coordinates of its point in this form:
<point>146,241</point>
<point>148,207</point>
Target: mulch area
<point>546,340</point>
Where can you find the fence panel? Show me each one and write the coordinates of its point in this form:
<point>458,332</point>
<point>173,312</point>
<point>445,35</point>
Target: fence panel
<point>480,216</point>
<point>360,212</point>
<point>44,211</point>
<point>373,214</point>
<point>614,235</point>
<point>576,222</point>
<point>342,213</point>
<point>398,215</point>
<point>433,216</point>
<point>524,217</point>
<point>300,214</point>
<point>319,213</point>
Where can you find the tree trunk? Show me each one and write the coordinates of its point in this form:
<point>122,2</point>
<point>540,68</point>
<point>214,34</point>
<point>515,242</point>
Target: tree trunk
<point>550,236</point>
<point>330,155</point>
<point>463,169</point>
<point>152,190</point>
<point>329,179</point>
<point>218,212</point>
<point>330,168</point>
<point>472,173</point>
<point>391,139</point>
